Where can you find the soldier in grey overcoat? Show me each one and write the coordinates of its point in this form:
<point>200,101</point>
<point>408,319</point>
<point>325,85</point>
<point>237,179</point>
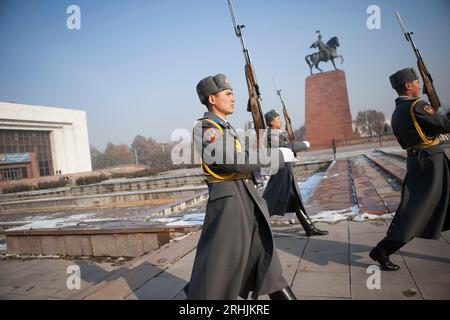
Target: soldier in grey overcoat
<point>282,193</point>
<point>236,254</point>
<point>424,208</point>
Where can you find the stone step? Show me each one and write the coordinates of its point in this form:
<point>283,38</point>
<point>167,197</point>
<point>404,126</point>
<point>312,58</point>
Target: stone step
<point>389,166</point>
<point>98,242</point>
<point>399,154</point>
<point>369,201</point>
<point>108,187</point>
<point>158,197</point>
<point>402,153</point>
<point>387,188</point>
<point>397,161</point>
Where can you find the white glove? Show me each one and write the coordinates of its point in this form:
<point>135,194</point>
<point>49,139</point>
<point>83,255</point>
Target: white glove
<point>288,155</point>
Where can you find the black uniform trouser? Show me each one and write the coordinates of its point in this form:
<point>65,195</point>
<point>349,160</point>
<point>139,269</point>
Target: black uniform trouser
<point>301,216</point>
<point>388,247</point>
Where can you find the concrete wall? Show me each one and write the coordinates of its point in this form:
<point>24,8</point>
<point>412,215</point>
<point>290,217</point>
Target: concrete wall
<point>125,242</point>
<point>68,137</point>
<point>136,198</point>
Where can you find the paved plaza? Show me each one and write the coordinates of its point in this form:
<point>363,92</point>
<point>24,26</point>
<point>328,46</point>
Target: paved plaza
<point>329,267</point>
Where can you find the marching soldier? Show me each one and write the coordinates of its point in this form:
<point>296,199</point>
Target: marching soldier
<point>424,208</point>
<point>236,252</point>
<point>282,193</point>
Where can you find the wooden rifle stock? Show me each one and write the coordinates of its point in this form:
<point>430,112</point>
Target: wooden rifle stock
<point>254,105</point>
<point>428,85</point>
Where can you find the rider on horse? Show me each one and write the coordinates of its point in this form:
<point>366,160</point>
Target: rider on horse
<point>324,51</point>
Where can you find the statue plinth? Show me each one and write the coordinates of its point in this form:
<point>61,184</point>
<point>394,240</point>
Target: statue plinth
<point>327,109</point>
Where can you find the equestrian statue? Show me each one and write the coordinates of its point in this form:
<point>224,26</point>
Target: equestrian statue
<point>326,52</point>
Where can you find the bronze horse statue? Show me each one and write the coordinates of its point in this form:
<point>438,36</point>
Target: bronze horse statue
<point>326,52</point>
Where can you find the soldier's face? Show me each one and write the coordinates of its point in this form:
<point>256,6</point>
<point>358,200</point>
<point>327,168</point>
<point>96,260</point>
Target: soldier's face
<point>222,103</point>
<point>414,88</point>
<point>276,123</point>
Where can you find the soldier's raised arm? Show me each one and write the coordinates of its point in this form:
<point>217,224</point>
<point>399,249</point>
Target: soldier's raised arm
<point>431,121</point>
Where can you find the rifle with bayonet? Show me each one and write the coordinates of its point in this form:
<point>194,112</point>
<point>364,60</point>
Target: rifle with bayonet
<point>289,129</point>
<point>254,100</point>
<point>428,87</point>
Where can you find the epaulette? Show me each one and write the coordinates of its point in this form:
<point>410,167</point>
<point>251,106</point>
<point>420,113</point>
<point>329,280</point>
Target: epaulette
<point>422,104</point>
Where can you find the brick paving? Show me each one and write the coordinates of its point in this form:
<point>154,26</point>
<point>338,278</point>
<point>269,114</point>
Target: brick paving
<point>334,192</point>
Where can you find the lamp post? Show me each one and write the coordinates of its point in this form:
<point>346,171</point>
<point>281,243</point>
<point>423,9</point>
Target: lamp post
<point>367,123</point>
<point>135,156</point>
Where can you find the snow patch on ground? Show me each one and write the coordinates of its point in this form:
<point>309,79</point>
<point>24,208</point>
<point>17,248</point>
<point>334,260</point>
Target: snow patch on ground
<point>352,214</point>
<point>181,237</point>
<point>186,220</point>
<point>11,255</point>
<point>366,216</point>
<point>57,223</point>
<point>332,176</point>
<point>333,216</point>
<point>308,186</point>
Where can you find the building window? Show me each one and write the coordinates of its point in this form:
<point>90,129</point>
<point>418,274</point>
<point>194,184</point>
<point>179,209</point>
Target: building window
<point>19,141</point>
<point>13,173</point>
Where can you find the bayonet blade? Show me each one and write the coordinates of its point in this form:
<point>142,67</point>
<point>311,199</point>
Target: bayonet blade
<point>276,88</point>
<point>233,17</point>
<point>400,21</point>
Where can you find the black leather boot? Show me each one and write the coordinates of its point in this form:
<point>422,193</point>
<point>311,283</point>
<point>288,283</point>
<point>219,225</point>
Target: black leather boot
<point>313,231</point>
<point>383,259</point>
<point>283,294</point>
<point>307,224</point>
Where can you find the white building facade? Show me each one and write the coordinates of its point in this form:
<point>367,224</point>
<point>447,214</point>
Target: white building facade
<point>62,132</point>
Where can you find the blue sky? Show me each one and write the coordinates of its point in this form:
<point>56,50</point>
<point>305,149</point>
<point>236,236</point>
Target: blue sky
<point>134,65</point>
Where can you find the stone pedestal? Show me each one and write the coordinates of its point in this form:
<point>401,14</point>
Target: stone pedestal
<point>327,109</point>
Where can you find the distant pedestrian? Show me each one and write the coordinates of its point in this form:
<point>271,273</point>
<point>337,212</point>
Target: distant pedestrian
<point>333,146</point>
